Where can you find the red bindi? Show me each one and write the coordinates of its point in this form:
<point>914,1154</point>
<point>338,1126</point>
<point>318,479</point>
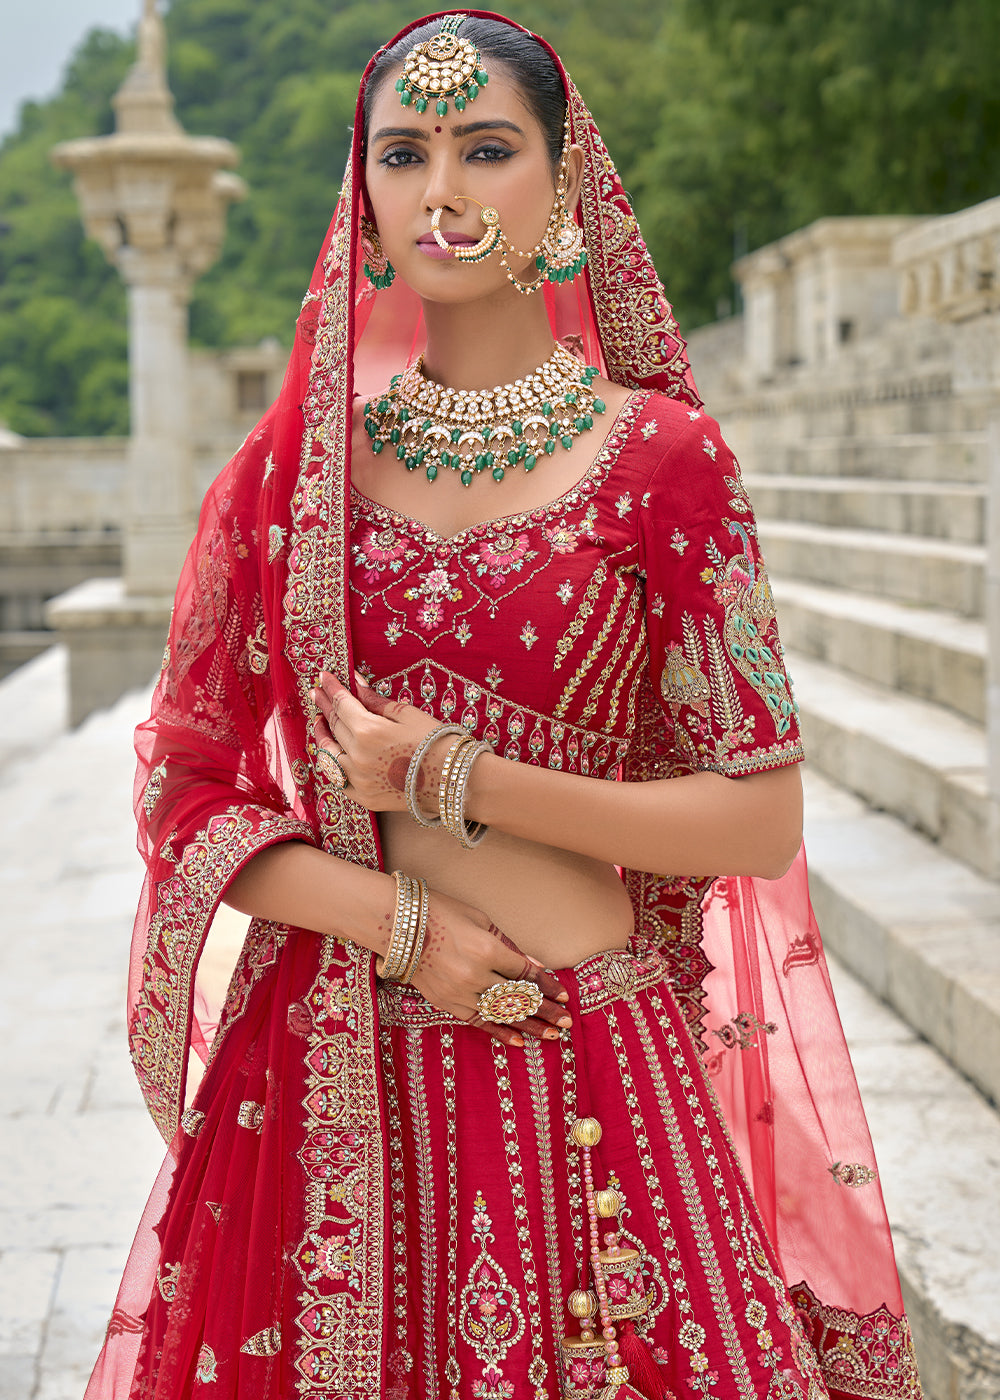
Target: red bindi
<point>437,128</point>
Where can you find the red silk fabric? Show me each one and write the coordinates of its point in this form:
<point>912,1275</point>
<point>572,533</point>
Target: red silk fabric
<point>265,1263</point>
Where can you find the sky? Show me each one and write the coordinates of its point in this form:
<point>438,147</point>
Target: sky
<point>38,38</point>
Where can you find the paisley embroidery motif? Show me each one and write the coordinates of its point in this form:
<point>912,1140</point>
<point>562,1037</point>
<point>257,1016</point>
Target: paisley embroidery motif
<point>490,1316</point>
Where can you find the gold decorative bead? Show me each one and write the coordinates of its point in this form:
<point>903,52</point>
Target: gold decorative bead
<point>586,1132</point>
<point>608,1203</point>
<point>582,1303</point>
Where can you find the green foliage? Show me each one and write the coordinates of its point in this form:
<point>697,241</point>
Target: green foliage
<point>732,122</point>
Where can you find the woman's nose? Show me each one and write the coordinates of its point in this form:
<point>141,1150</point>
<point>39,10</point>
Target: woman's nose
<point>441,188</point>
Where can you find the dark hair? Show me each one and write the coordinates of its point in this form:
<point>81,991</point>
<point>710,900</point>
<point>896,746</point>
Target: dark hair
<point>530,65</point>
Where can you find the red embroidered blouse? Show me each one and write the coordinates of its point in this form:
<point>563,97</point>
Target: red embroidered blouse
<point>537,631</point>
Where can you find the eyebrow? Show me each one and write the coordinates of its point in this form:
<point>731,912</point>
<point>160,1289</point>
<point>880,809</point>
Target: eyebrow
<point>467,129</point>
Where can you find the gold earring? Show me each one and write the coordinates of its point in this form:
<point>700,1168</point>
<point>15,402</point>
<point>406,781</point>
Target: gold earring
<point>560,254</point>
<point>475,252</point>
<point>378,269</point>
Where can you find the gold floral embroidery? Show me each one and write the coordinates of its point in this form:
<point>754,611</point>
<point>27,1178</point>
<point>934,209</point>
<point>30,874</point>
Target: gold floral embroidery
<point>868,1356</point>
<point>264,1343</point>
<point>186,903</point>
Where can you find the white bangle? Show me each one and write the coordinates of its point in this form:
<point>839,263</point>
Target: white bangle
<point>413,771</point>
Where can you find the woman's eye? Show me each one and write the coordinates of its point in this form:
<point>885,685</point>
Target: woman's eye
<point>492,155</point>
<point>398,159</point>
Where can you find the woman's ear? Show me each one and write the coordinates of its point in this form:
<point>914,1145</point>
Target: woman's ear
<point>574,176</point>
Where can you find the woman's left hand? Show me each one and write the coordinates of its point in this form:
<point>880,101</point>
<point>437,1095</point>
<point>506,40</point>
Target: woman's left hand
<point>373,740</point>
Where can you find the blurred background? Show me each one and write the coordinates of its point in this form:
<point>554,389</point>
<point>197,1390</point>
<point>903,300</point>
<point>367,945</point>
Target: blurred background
<point>820,188</point>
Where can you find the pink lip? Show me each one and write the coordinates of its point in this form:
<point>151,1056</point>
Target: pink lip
<point>428,244</point>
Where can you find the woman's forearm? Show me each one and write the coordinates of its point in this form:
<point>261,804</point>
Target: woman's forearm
<point>293,883</point>
<point>700,824</point>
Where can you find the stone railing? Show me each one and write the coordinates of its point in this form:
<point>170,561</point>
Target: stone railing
<point>950,266</point>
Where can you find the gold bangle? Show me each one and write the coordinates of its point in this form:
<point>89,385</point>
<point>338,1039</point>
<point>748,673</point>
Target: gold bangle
<point>405,926</point>
<point>451,799</point>
<point>421,933</point>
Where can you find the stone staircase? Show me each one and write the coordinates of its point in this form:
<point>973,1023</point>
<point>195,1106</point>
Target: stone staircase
<point>872,517</point>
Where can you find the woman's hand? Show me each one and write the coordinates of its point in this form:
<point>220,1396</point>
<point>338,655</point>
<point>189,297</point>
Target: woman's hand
<point>373,740</point>
<point>464,954</point>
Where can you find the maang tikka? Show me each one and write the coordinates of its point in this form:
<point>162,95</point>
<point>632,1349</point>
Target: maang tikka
<point>445,67</point>
<point>559,255</point>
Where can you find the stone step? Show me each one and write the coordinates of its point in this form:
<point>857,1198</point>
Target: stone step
<point>920,762</point>
<point>924,652</point>
<point>936,509</point>
<point>937,1147</point>
<point>917,926</point>
<point>952,456</point>
<point>907,568</point>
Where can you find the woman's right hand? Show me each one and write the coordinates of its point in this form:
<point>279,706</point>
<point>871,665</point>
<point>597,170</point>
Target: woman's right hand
<point>464,953</point>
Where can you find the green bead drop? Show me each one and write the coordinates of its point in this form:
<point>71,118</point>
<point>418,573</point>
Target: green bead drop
<point>547,409</point>
<point>383,405</point>
<point>517,427</point>
<point>600,406</point>
<point>499,473</point>
<point>411,462</point>
<point>570,398</point>
<point>377,446</point>
<point>511,458</point>
<point>431,472</point>
<point>427,423</point>
<point>550,446</point>
<point>400,452</point>
<point>466,475</point>
<point>529,462</point>
<point>445,458</point>
<point>405,97</point>
<point>456,434</point>
<point>421,455</point>
<point>482,77</point>
<point>459,103</point>
<point>441,108</point>
<point>480,461</point>
<point>490,458</point>
<point>473,92</point>
<point>370,428</point>
<point>540,262</point>
<point>588,420</point>
<point>579,424</point>
<point>404,414</point>
<point>456,461</point>
<point>394,436</point>
<point>421,104</point>
<point>400,84</point>
<point>567,442</point>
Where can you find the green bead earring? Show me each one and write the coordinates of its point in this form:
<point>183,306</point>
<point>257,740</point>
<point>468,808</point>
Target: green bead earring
<point>378,269</point>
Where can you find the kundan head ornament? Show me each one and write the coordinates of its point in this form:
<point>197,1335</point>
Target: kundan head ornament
<point>445,67</point>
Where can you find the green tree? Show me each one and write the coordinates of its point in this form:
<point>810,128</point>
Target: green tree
<point>732,122</point>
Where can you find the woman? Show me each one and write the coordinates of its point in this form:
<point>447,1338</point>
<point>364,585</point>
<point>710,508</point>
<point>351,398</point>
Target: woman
<point>418,1162</point>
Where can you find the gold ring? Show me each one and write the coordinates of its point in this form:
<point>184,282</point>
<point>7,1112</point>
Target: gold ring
<point>329,765</point>
<point>507,1002</point>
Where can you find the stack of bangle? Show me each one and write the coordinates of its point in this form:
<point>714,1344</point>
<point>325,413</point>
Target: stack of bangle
<point>413,771</point>
<point>455,772</point>
<point>409,927</point>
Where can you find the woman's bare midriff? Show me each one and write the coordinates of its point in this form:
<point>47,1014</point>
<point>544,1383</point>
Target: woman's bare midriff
<point>556,906</point>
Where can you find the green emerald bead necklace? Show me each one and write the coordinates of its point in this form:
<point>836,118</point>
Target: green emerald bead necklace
<point>472,431</point>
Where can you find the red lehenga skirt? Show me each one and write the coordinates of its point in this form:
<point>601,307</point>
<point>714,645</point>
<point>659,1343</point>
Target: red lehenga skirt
<point>485,1218</point>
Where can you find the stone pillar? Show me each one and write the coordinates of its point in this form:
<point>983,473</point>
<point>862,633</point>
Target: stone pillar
<point>155,199</point>
<point>160,506</point>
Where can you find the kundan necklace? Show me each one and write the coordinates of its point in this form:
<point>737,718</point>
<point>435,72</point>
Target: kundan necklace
<point>477,430</point>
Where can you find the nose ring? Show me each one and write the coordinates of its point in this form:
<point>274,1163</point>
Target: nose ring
<point>474,252</point>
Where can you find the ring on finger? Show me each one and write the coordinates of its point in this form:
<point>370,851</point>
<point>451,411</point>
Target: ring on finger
<point>504,1003</point>
<point>328,764</point>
